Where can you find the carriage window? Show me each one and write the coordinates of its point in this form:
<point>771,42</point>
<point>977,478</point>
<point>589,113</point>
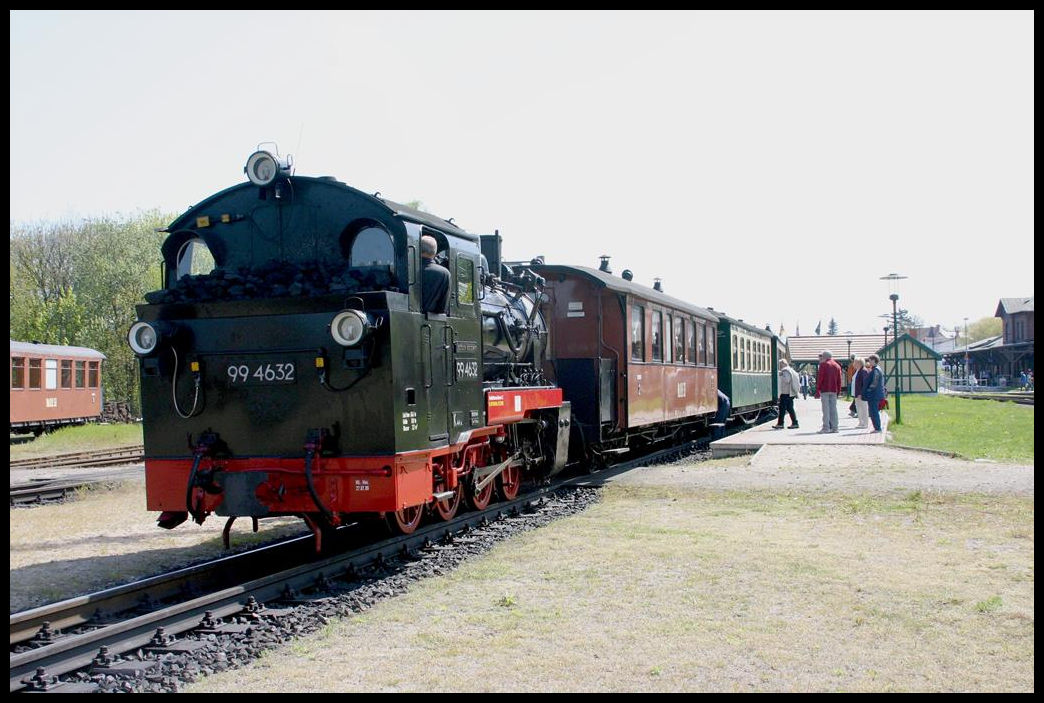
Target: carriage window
<point>50,374</point>
<point>657,338</point>
<point>17,372</point>
<point>750,356</point>
<point>35,371</point>
<point>92,374</point>
<point>690,341</point>
<point>679,340</point>
<point>667,337</point>
<point>372,246</point>
<point>79,374</point>
<point>735,353</point>
<point>637,333</point>
<point>194,258</point>
<point>465,281</point>
<point>703,345</point>
<point>66,373</point>
<point>712,334</point>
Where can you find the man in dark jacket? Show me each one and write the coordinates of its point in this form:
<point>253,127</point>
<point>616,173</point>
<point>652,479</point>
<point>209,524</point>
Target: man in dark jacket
<point>828,385</point>
<point>435,279</point>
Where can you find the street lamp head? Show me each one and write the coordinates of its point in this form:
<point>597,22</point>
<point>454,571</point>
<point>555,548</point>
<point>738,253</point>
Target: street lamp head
<point>893,297</point>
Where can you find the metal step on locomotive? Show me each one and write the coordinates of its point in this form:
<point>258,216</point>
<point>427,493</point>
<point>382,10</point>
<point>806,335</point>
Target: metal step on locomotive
<point>294,361</point>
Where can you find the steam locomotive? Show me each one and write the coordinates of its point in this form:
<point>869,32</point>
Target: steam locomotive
<point>288,366</point>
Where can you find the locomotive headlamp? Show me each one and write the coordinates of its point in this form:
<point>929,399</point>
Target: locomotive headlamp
<point>143,338</point>
<point>349,327</point>
<point>263,167</point>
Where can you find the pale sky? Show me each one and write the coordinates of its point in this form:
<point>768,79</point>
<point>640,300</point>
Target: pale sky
<point>771,165</point>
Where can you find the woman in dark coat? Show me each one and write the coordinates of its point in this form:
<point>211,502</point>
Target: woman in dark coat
<point>874,390</point>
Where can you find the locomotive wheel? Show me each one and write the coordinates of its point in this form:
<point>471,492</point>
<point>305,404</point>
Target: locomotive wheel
<point>509,481</point>
<point>447,509</point>
<point>405,521</point>
<point>480,500</point>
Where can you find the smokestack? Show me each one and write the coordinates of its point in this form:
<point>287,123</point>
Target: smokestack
<point>627,275</point>
<point>605,263</point>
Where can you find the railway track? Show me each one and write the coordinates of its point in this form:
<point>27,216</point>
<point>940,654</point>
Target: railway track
<point>55,489</point>
<point>1021,398</point>
<point>92,632</point>
<point>102,457</point>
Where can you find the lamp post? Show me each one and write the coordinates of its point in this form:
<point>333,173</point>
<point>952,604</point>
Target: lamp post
<point>967,370</point>
<point>893,279</point>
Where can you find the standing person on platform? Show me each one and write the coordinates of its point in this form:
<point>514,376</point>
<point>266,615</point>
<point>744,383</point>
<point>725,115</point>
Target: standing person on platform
<point>828,385</point>
<point>804,384</point>
<point>859,382</point>
<point>874,391</point>
<point>789,387</point>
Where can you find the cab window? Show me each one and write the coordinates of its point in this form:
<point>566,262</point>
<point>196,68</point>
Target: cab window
<point>371,246</point>
<point>194,258</point>
<point>465,281</point>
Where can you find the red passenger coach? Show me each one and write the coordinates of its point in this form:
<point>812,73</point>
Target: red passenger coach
<point>53,385</point>
<point>638,366</point>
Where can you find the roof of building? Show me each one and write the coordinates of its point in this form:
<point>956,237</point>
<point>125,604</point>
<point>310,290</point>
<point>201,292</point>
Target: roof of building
<point>887,351</point>
<point>55,350</point>
<point>808,348</point>
<point>1009,306</point>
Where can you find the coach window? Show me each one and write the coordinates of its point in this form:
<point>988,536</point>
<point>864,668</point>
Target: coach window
<point>79,374</point>
<point>657,337</point>
<point>703,345</point>
<point>92,374</point>
<point>667,337</point>
<point>35,373</point>
<point>50,374</point>
<point>66,373</point>
<point>690,341</point>
<point>637,333</point>
<point>750,355</point>
<point>679,340</point>
<point>735,353</point>
<point>712,359</point>
<point>17,372</point>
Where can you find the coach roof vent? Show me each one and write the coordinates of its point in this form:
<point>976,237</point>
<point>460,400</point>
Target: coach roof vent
<point>627,275</point>
<point>658,284</point>
<point>605,264</point>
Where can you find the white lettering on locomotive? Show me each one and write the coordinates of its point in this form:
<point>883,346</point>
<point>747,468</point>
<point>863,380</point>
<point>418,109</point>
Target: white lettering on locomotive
<point>467,369</point>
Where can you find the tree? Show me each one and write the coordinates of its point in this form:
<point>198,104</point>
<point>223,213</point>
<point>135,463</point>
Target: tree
<point>832,327</point>
<point>985,328</point>
<point>78,283</point>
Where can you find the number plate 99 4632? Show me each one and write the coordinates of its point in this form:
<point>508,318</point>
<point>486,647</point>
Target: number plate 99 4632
<point>260,372</point>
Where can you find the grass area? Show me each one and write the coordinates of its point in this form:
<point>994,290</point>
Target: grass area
<point>974,429</point>
<point>679,588</point>
<point>81,438</point>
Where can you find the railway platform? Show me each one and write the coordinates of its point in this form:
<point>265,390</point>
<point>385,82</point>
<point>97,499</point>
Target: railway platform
<point>810,421</point>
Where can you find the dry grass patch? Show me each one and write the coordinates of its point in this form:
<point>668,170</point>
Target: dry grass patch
<point>106,538</point>
<point>683,588</point>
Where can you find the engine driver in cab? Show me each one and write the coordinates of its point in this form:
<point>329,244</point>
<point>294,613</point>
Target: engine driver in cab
<point>435,279</point>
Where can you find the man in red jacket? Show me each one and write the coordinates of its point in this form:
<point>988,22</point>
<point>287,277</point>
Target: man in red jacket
<point>828,385</point>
